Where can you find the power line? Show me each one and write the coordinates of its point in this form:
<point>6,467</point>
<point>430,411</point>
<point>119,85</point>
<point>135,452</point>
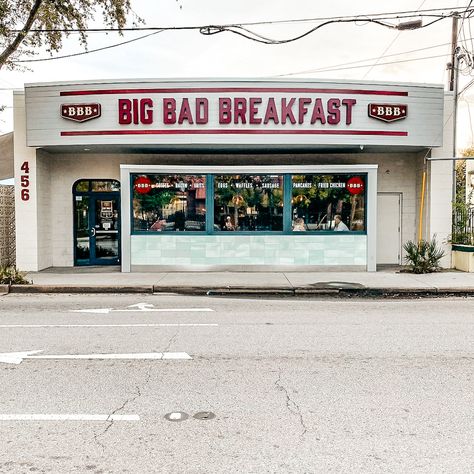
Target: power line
<point>86,52</point>
<point>306,71</point>
<point>379,64</point>
<point>388,47</point>
<point>236,29</point>
<point>335,67</point>
<point>433,12</point>
<point>408,13</point>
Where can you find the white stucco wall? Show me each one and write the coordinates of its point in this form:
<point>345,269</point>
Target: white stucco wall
<point>439,191</point>
<point>25,211</point>
<point>45,222</point>
<point>396,173</point>
<point>65,171</point>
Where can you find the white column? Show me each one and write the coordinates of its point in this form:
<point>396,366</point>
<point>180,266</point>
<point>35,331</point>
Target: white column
<point>25,191</point>
<point>125,215</point>
<point>439,191</point>
<point>372,221</point>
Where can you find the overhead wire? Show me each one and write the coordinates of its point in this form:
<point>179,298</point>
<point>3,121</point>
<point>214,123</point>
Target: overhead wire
<point>464,56</point>
<point>323,69</point>
<point>364,17</point>
<point>212,30</point>
<point>247,33</point>
<point>388,47</point>
<point>379,64</point>
<point>87,51</point>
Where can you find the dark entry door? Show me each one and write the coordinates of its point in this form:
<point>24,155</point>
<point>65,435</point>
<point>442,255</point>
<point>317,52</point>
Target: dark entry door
<point>97,229</point>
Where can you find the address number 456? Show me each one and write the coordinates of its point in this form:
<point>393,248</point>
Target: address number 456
<point>25,181</point>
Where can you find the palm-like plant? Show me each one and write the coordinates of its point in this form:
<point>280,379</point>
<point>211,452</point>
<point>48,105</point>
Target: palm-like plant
<point>12,276</point>
<point>424,256</point>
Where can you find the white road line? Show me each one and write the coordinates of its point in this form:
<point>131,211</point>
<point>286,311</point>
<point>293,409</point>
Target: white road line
<point>19,357</point>
<point>143,310</point>
<point>143,356</point>
<point>7,326</point>
<point>67,417</point>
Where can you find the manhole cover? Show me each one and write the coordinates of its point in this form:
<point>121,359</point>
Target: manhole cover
<point>341,285</point>
<point>204,415</point>
<point>176,416</point>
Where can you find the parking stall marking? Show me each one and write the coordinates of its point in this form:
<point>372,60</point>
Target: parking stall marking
<point>66,417</point>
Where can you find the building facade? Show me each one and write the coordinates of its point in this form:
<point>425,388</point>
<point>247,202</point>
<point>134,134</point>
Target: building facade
<point>160,175</point>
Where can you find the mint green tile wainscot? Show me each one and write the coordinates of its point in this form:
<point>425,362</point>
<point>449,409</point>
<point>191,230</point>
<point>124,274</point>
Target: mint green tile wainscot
<point>282,250</point>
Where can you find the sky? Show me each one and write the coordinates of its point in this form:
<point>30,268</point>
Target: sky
<point>328,53</point>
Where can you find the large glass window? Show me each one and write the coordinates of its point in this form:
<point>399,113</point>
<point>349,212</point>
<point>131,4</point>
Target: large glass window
<point>333,202</point>
<point>248,203</point>
<point>169,203</point>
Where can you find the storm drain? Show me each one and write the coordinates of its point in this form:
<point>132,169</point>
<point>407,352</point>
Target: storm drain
<point>338,285</point>
<point>181,416</point>
<point>176,416</point>
<point>204,415</point>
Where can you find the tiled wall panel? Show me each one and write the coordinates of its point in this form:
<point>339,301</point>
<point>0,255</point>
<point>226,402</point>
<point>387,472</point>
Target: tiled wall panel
<point>249,250</point>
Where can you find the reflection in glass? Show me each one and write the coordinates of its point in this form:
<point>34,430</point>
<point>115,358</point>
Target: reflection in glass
<point>105,186</point>
<point>82,228</point>
<point>248,203</point>
<point>106,229</point>
<point>323,202</point>
<point>163,203</point>
<point>82,186</point>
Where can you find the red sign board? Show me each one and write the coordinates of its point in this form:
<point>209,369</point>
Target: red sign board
<point>142,185</point>
<point>355,185</point>
<point>388,112</point>
<point>80,112</point>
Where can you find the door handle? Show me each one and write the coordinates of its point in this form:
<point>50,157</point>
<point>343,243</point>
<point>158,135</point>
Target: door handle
<point>93,232</point>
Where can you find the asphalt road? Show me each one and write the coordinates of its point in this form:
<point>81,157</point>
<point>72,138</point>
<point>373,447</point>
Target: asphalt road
<point>296,385</point>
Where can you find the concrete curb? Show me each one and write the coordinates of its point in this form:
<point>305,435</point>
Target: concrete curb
<point>81,289</point>
<point>380,292</point>
<point>455,289</point>
<point>250,291</point>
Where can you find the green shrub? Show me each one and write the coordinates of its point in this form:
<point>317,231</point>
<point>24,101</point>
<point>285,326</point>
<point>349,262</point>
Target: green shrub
<point>463,222</point>
<point>12,276</point>
<point>423,257</point>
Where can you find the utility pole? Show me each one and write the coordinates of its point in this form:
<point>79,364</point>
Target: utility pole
<point>453,86</point>
<point>454,45</point>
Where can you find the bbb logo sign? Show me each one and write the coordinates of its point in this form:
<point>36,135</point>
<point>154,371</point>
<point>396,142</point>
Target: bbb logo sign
<point>80,112</point>
<point>388,112</point>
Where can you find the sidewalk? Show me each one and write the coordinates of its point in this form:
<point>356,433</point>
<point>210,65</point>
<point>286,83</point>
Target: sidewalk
<point>387,282</point>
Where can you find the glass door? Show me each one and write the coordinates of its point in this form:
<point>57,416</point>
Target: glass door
<point>96,223</point>
<point>104,235</point>
<point>82,247</point>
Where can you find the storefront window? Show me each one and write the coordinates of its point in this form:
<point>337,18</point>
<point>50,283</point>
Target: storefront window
<point>248,203</point>
<point>105,186</point>
<point>164,203</point>
<point>328,202</point>
<point>82,186</point>
<point>97,186</point>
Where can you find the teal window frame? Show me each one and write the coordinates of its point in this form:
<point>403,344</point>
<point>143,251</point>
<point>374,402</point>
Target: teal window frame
<point>287,208</point>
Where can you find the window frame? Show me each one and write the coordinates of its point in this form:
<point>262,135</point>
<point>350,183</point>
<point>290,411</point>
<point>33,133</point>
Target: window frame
<point>321,232</point>
<point>133,174</point>
<point>287,205</point>
<point>247,232</point>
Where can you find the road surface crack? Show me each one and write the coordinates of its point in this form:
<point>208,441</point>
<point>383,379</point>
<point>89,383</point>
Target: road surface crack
<point>110,421</point>
<point>170,342</point>
<point>137,394</point>
<point>291,405</point>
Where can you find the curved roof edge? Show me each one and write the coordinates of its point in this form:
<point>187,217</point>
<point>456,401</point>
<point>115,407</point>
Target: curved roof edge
<point>232,79</point>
